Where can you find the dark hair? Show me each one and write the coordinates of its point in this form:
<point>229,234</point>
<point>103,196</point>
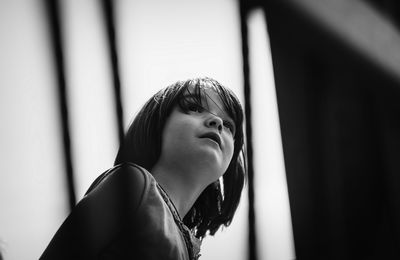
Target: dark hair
<point>142,146</point>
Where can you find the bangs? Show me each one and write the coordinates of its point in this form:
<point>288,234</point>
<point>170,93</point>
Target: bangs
<point>192,91</point>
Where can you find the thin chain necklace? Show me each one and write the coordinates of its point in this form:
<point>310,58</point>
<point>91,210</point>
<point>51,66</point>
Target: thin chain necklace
<point>172,203</point>
<point>182,227</point>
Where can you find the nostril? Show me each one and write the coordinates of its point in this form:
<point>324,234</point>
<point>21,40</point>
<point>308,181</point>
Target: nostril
<point>214,122</point>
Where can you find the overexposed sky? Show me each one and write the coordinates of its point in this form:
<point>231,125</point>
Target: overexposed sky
<point>273,221</point>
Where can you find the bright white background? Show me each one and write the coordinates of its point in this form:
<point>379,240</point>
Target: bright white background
<point>159,43</point>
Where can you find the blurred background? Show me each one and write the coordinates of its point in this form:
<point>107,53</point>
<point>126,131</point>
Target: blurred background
<point>319,80</point>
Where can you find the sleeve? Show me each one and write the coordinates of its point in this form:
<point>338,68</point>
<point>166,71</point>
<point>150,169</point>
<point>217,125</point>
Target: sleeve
<point>99,216</point>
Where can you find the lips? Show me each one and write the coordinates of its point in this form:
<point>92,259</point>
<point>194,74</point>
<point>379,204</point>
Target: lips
<point>213,136</point>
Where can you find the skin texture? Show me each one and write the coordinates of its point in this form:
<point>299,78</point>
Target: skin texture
<point>188,162</point>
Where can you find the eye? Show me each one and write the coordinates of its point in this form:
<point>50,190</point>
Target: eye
<point>230,126</point>
<point>195,108</point>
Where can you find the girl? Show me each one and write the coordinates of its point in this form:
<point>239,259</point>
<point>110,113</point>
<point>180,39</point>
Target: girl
<point>164,193</point>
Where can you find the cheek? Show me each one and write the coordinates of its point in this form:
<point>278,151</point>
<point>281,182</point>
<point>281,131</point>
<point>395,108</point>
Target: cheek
<point>171,138</point>
<point>229,150</point>
<point>176,137</point>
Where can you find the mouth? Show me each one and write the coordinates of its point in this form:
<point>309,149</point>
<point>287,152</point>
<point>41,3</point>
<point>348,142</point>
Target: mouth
<point>213,136</point>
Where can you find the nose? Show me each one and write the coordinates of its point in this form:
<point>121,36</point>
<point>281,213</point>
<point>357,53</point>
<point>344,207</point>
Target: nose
<point>214,121</point>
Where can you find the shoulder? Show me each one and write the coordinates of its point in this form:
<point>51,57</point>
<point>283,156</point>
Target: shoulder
<point>97,220</point>
<point>131,168</point>
<point>131,177</point>
<point>133,173</point>
<point>125,182</point>
<point>130,171</point>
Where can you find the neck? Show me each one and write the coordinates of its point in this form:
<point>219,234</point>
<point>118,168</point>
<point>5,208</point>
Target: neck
<point>181,186</point>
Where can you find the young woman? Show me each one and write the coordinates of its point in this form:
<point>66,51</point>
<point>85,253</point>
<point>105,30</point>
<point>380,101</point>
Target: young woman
<point>164,193</point>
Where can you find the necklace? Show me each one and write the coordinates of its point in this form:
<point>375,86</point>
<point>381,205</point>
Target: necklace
<point>182,227</point>
<point>166,196</point>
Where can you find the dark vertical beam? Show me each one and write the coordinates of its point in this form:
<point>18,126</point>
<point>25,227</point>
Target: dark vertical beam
<point>53,16</point>
<point>108,10</point>
<point>249,139</point>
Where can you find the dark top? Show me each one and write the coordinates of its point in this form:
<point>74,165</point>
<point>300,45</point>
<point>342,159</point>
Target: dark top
<point>125,214</point>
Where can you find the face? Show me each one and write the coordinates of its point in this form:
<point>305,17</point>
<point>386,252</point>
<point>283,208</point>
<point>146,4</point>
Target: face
<point>201,137</point>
